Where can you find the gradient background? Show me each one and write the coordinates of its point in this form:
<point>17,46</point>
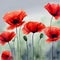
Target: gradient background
<point>36,12</point>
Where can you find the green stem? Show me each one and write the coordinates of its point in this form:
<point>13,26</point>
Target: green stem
<point>11,49</point>
<point>33,45</point>
<point>39,48</point>
<point>52,50</point>
<point>17,45</point>
<point>14,49</point>
<point>27,50</point>
<point>20,41</point>
<point>50,32</point>
<point>51,21</point>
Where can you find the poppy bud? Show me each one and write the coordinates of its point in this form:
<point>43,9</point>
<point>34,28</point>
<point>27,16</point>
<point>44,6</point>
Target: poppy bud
<point>37,56</point>
<point>25,38</point>
<point>41,35</point>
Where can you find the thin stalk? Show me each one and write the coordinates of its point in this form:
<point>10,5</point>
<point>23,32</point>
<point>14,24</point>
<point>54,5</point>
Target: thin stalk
<point>14,52</point>
<point>20,41</point>
<point>51,21</point>
<point>39,49</point>
<point>33,45</point>
<point>52,50</point>
<point>27,50</point>
<point>11,49</point>
<point>50,32</point>
<point>17,44</point>
<point>58,10</point>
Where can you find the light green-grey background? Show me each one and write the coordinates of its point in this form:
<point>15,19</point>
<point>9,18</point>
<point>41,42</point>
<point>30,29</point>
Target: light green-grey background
<point>36,12</point>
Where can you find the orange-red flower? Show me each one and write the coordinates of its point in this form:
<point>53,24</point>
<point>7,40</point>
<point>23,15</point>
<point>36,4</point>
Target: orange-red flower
<point>14,18</point>
<point>33,27</point>
<point>6,55</point>
<point>53,9</point>
<point>53,33</point>
<point>6,37</point>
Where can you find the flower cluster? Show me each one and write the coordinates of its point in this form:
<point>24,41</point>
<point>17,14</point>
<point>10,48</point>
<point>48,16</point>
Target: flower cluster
<point>15,19</point>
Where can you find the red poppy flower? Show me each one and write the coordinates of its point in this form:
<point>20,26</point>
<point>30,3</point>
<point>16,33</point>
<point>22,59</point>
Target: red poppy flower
<point>14,18</point>
<point>6,55</point>
<point>33,27</point>
<point>6,37</point>
<point>53,9</point>
<point>53,33</point>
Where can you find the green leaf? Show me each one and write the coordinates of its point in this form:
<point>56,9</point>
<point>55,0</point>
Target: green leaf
<point>25,38</point>
<point>41,35</point>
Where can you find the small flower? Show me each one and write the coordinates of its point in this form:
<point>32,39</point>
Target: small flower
<point>6,55</point>
<point>53,33</point>
<point>53,9</point>
<point>33,27</point>
<point>6,37</point>
<point>14,18</point>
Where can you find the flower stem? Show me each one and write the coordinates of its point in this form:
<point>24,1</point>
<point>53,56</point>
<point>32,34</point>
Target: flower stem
<point>11,50</point>
<point>33,45</point>
<point>50,32</point>
<point>51,21</point>
<point>17,45</point>
<point>39,48</point>
<point>52,50</point>
<point>10,47</point>
<point>19,42</point>
<point>14,52</point>
<point>27,50</point>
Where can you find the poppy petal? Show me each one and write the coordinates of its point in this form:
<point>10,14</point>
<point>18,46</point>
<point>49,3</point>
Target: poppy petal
<point>12,34</point>
<point>15,18</point>
<point>5,37</point>
<point>9,15</point>
<point>53,33</point>
<point>33,27</point>
<point>53,9</point>
<point>25,30</point>
<point>6,55</point>
<point>49,40</point>
<point>40,27</point>
<point>2,40</point>
<point>22,15</point>
<point>11,27</point>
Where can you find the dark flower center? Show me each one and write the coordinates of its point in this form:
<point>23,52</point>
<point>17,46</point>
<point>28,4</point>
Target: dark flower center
<point>4,39</point>
<point>7,56</point>
<point>15,21</point>
<point>54,35</point>
<point>56,12</point>
<point>34,31</point>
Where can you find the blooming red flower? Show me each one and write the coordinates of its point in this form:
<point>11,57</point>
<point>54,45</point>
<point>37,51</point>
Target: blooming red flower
<point>14,18</point>
<point>6,55</point>
<point>33,27</point>
<point>53,9</point>
<point>53,33</point>
<point>6,37</point>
